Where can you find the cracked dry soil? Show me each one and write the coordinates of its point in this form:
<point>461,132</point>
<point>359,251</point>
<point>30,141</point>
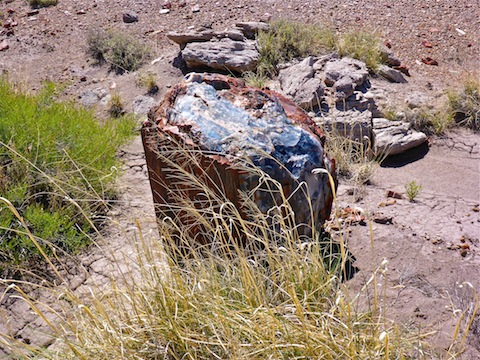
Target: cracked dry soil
<point>432,244</point>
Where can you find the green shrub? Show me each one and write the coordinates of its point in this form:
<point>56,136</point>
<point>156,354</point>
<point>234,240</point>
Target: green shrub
<point>42,3</point>
<point>412,189</point>
<point>122,52</point>
<point>57,165</point>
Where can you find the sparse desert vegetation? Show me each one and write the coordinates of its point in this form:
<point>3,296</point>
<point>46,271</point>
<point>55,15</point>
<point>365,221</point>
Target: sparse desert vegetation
<point>120,51</point>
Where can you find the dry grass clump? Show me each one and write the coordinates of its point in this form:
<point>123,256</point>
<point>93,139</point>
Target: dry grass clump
<point>464,105</point>
<point>361,45</point>
<point>278,296</point>
<point>287,40</point>
<point>42,3</point>
<point>122,52</point>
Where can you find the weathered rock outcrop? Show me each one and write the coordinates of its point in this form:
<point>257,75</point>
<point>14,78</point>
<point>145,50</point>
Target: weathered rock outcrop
<point>232,50</point>
<point>300,84</point>
<point>223,121</point>
<point>339,92</point>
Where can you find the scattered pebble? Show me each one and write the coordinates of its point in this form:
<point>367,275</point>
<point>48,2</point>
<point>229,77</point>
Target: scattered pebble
<point>394,194</point>
<point>164,11</point>
<point>130,17</point>
<point>430,61</point>
<point>4,45</point>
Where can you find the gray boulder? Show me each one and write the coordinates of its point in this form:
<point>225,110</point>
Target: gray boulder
<point>390,74</point>
<point>394,137</point>
<point>224,54</point>
<point>300,84</point>
<point>344,76</point>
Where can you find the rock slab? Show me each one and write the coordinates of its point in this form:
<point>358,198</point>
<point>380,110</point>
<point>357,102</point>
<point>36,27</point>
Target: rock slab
<point>224,54</point>
<point>394,137</point>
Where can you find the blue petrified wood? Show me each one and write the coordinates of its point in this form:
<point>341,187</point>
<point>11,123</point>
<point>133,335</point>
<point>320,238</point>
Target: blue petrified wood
<point>225,121</point>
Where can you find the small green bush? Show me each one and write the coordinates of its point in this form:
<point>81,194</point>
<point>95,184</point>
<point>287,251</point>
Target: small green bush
<point>57,165</point>
<point>413,189</point>
<point>42,3</point>
<point>122,52</point>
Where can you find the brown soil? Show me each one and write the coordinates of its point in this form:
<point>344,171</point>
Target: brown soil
<point>432,244</point>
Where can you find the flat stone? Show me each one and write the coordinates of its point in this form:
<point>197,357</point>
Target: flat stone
<point>142,104</point>
<point>192,36</point>
<point>224,54</point>
<point>394,137</point>
<point>390,74</point>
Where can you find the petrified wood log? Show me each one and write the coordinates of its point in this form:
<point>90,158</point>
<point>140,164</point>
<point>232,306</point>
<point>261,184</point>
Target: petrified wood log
<point>222,121</point>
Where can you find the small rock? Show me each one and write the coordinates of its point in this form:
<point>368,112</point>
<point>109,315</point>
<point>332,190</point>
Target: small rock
<point>266,17</point>
<point>390,74</point>
<point>298,83</point>
<point>130,17</point>
<point>430,61</point>
<point>164,11</point>
<point>394,137</point>
<point>383,219</point>
<point>4,45</point>
<point>427,44</point>
<point>394,194</point>
<point>196,8</point>
<point>252,28</point>
<point>33,12</point>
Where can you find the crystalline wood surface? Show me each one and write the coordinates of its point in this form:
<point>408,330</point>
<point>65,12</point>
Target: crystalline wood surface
<point>227,120</point>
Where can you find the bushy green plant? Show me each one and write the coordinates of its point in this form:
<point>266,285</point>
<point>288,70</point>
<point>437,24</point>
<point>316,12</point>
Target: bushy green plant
<point>412,190</point>
<point>57,164</point>
<point>121,51</point>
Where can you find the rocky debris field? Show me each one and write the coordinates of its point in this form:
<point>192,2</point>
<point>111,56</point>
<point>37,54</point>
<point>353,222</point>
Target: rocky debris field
<point>431,244</point>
